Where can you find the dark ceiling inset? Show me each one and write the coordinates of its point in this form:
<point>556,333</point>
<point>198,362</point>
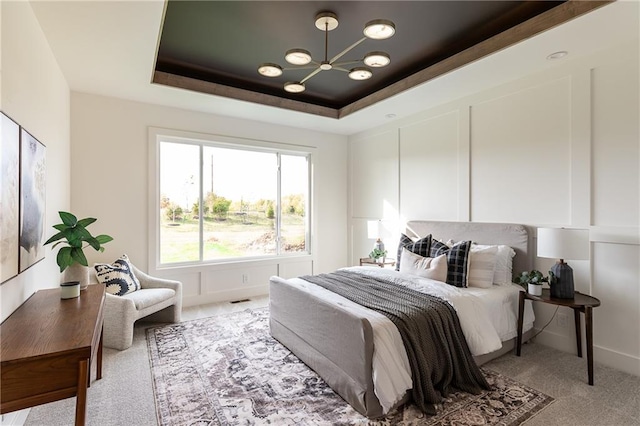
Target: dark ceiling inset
<point>216,46</point>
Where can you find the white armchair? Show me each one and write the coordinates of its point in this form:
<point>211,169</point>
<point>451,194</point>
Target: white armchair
<point>158,300</point>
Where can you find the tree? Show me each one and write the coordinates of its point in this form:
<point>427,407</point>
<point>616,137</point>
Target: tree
<point>164,202</point>
<point>174,212</point>
<point>217,205</point>
<point>271,212</point>
<point>294,204</point>
<point>221,207</point>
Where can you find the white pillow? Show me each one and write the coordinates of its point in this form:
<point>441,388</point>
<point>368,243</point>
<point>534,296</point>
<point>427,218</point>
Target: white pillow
<point>426,267</point>
<point>503,273</point>
<point>482,264</point>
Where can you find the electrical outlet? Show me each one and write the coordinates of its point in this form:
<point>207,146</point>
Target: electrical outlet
<point>563,320</point>
<point>245,278</point>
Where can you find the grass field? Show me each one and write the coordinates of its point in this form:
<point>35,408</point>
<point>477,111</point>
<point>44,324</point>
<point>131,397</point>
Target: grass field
<point>239,235</point>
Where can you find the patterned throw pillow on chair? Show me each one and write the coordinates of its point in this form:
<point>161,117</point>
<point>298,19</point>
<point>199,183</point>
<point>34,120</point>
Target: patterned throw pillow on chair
<point>118,277</point>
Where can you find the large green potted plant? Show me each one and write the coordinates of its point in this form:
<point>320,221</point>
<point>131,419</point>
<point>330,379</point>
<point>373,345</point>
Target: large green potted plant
<point>71,258</point>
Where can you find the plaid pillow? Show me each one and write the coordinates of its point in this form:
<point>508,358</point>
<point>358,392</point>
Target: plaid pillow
<point>457,260</point>
<point>421,247</point>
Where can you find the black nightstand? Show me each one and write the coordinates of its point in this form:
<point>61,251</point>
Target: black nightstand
<point>580,303</point>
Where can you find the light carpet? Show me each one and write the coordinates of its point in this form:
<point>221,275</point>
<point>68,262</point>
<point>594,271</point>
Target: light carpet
<point>228,370</point>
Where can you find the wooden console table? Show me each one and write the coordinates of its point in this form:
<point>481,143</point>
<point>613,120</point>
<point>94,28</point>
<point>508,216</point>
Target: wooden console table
<point>47,349</point>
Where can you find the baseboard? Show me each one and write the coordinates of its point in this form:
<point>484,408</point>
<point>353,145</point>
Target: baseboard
<point>601,355</point>
<point>619,361</point>
<point>225,295</point>
<point>15,418</point>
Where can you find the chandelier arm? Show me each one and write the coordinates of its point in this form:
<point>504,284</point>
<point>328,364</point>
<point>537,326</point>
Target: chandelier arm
<point>345,51</point>
<point>310,75</point>
<point>339,64</point>
<point>301,67</point>
<point>337,68</point>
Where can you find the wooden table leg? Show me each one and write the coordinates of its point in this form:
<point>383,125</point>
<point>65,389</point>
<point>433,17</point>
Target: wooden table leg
<point>520,320</point>
<point>576,316</point>
<point>99,360</point>
<point>81,401</point>
<point>589,331</point>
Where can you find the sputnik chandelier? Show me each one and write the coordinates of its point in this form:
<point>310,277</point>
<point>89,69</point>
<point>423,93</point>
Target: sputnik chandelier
<point>379,29</point>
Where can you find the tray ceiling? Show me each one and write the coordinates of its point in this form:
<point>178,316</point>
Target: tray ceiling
<point>216,47</point>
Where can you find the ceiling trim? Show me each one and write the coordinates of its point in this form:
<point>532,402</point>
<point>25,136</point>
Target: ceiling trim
<point>540,23</point>
<point>188,83</point>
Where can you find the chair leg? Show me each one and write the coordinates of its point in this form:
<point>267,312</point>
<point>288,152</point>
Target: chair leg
<point>118,336</point>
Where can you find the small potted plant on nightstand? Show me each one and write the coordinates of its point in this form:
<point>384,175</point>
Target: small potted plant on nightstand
<point>533,281</point>
<point>378,255</point>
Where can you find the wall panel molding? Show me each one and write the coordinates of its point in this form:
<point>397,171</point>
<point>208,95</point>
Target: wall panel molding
<point>615,235</point>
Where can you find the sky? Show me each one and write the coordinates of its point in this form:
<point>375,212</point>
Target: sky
<point>250,175</point>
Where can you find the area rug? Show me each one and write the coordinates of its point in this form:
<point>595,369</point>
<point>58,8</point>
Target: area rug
<point>228,370</point>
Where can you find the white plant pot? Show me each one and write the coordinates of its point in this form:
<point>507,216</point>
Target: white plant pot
<point>535,290</point>
<point>77,272</point>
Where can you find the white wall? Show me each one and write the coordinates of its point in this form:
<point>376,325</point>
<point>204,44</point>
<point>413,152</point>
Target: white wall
<point>559,148</point>
<point>110,181</point>
<point>35,94</point>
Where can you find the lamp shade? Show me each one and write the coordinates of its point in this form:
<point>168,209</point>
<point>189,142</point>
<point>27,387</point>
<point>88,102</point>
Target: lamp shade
<point>374,229</point>
<point>563,243</point>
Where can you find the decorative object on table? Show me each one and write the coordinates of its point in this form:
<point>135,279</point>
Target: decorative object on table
<point>563,243</point>
<point>32,199</point>
<point>71,259</point>
<point>533,280</point>
<point>245,376</point>
<point>378,255</point>
<point>376,231</point>
<point>9,201</point>
<point>379,29</point>
<point>69,289</point>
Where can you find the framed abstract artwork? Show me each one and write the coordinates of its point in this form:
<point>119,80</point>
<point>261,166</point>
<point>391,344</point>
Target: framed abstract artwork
<point>9,192</point>
<point>32,199</point>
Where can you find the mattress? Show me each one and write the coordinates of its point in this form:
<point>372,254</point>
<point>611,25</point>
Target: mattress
<point>488,317</point>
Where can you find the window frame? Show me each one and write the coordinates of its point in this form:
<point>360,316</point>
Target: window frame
<point>159,135</point>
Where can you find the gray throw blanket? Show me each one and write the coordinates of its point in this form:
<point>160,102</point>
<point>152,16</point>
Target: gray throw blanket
<point>439,356</point>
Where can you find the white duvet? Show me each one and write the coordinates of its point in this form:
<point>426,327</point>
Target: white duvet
<point>487,317</point>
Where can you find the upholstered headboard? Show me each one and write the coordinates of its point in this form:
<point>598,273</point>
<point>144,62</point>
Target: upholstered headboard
<point>510,234</point>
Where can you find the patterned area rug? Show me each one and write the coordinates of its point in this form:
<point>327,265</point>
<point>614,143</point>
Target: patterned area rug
<point>228,370</point>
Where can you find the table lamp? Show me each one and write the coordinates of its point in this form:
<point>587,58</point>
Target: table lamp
<point>374,232</point>
<point>563,243</point>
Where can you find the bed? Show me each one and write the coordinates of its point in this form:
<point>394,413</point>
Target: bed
<point>336,337</point>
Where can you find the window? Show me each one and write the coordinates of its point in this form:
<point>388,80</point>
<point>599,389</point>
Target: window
<point>220,201</point>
